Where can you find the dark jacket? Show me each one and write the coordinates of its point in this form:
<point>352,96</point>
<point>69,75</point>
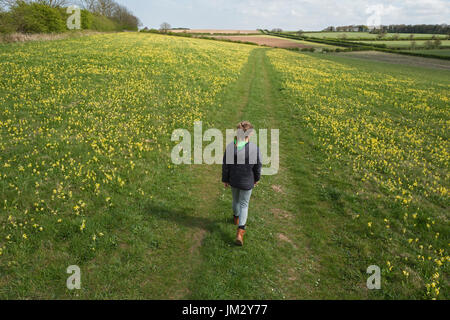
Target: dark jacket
<point>243,168</point>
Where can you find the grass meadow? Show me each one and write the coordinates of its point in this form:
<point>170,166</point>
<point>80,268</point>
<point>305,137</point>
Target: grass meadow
<point>86,177</point>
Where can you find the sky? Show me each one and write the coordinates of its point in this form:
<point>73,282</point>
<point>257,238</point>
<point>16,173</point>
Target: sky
<point>286,14</point>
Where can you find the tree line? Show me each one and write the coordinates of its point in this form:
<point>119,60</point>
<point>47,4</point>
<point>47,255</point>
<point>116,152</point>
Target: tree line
<point>418,28</point>
<point>44,16</point>
<point>394,28</point>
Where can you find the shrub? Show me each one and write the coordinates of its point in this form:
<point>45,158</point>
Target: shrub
<point>87,19</point>
<point>429,44</point>
<point>178,34</point>
<point>6,23</point>
<point>437,43</point>
<point>37,18</point>
<point>102,23</point>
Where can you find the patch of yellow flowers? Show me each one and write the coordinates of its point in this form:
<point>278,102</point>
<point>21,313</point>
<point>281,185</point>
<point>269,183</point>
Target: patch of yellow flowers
<point>391,132</point>
<point>82,119</point>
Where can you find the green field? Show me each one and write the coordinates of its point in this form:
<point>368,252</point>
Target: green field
<point>367,35</point>
<point>86,177</point>
<point>404,43</point>
<point>439,52</point>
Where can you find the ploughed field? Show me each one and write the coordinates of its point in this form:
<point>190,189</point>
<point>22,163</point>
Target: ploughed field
<point>217,31</point>
<point>268,41</point>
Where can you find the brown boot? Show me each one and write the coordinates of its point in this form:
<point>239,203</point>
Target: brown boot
<point>240,237</point>
<point>235,220</point>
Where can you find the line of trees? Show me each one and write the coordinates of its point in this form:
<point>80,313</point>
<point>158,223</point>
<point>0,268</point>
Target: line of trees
<point>395,28</point>
<point>43,16</point>
<point>418,28</point>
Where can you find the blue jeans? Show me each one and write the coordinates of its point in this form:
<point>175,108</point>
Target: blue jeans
<point>241,199</point>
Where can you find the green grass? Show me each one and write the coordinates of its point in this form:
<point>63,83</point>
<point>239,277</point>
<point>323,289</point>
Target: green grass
<point>98,108</point>
<point>439,52</point>
<point>366,35</point>
<point>404,43</point>
<point>353,177</point>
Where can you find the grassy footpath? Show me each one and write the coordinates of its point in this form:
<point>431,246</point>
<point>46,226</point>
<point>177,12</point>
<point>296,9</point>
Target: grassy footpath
<point>289,251</point>
<point>256,270</point>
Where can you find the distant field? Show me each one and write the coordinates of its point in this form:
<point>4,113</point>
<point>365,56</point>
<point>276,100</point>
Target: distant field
<point>275,42</point>
<point>217,31</point>
<point>399,59</point>
<point>403,43</point>
<point>439,52</point>
<point>357,35</point>
<point>309,44</point>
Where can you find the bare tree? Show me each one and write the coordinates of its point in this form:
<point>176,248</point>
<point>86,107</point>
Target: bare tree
<point>54,3</point>
<point>437,42</point>
<point>8,3</point>
<point>381,35</point>
<point>122,15</point>
<point>88,4</point>
<point>105,7</point>
<point>165,27</point>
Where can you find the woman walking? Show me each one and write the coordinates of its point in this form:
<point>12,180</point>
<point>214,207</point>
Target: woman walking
<point>241,169</point>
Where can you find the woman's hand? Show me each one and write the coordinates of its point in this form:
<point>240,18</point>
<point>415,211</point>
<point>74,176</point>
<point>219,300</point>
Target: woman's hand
<point>226,185</point>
